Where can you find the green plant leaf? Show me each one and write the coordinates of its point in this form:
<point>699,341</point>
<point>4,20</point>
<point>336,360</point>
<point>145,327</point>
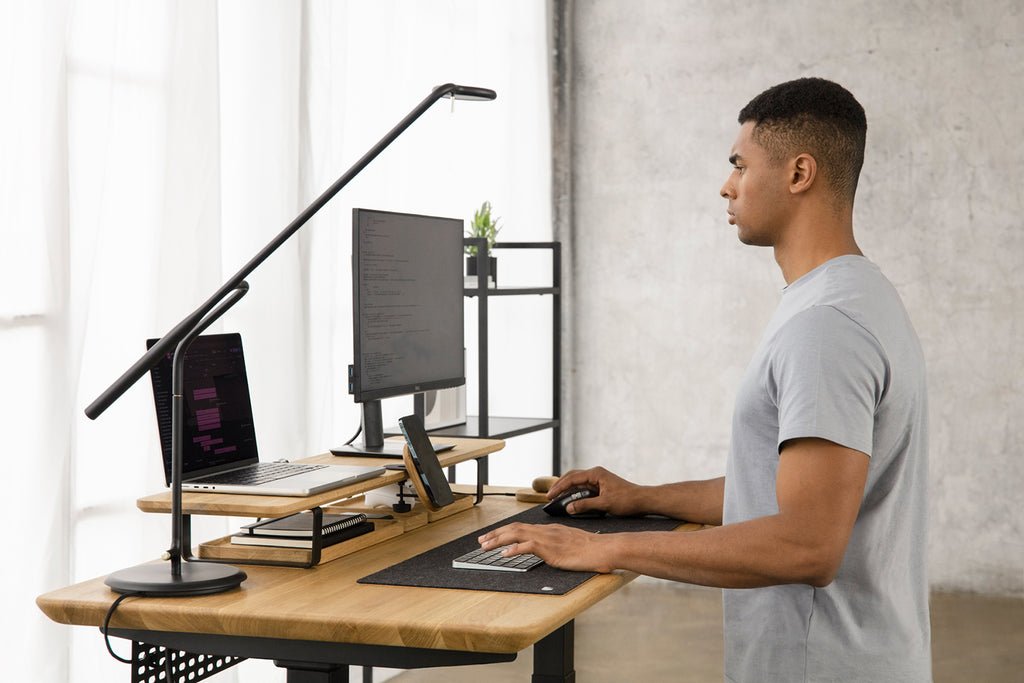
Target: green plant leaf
<point>483,225</point>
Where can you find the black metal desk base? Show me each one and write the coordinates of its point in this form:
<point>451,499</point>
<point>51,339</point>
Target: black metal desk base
<point>554,658</point>
<point>303,672</point>
<point>317,662</point>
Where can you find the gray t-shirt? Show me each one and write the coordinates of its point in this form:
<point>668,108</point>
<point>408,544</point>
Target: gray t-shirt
<point>840,361</point>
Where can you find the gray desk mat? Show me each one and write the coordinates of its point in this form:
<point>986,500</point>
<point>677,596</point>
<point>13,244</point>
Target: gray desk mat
<point>433,568</point>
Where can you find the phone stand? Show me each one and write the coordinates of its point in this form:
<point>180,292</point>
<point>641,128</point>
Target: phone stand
<point>417,483</point>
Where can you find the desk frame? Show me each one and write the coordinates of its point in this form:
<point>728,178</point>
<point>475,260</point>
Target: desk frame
<point>320,662</point>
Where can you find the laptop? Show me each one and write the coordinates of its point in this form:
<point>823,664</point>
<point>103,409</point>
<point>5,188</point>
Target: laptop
<point>219,441</point>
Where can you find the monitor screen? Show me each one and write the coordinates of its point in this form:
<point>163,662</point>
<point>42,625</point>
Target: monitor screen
<point>407,305</point>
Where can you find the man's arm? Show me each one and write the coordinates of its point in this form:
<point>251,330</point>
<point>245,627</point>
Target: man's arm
<point>819,488</point>
<point>693,501</point>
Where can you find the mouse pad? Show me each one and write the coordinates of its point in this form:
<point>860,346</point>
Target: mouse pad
<point>433,568</point>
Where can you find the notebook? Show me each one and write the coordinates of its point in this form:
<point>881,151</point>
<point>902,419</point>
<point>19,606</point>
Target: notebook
<point>219,445</point>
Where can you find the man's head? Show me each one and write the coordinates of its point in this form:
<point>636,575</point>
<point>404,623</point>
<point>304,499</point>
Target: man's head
<point>816,117</point>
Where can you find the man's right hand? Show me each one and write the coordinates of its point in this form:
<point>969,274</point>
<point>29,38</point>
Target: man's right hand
<point>615,495</point>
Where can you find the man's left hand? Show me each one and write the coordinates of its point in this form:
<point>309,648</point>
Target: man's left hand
<point>559,546</point>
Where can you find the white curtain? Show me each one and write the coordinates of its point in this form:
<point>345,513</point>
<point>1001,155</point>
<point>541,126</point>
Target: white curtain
<point>149,149</point>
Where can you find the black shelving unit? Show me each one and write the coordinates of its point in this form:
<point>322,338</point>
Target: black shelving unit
<point>483,424</point>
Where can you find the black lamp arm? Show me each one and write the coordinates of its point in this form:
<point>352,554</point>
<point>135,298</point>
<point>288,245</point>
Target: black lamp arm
<point>179,331</point>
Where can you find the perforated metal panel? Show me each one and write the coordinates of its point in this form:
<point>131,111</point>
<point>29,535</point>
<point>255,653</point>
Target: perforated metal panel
<point>155,664</point>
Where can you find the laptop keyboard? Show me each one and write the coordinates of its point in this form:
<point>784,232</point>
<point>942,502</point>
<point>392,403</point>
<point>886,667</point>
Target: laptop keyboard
<point>492,559</point>
<point>260,473</point>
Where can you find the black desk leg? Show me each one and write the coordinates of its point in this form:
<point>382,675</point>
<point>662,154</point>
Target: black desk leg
<point>308,672</point>
<point>553,657</point>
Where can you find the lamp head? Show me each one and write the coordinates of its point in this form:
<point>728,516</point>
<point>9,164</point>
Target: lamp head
<point>466,92</point>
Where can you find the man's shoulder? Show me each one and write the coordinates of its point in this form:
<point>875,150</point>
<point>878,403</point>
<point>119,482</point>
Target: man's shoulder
<point>857,288</point>
<point>851,279</point>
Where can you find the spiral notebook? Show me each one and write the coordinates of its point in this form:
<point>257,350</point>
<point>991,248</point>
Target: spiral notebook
<point>301,524</point>
<point>296,531</point>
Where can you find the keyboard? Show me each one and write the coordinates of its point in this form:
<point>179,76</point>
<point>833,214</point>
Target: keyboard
<point>260,473</point>
<point>493,560</point>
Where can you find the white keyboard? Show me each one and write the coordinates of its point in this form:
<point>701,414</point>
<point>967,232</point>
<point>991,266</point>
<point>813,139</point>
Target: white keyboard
<point>493,560</point>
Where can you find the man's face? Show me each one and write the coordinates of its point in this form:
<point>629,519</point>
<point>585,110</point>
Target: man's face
<point>757,192</point>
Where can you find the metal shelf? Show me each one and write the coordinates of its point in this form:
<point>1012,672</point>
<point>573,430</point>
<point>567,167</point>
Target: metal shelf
<point>512,291</point>
<point>506,427</point>
<point>497,427</point>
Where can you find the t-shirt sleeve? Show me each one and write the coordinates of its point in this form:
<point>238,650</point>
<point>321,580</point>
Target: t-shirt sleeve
<point>827,377</point>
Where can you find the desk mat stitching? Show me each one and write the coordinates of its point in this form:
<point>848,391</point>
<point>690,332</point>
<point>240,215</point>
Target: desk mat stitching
<point>432,568</point>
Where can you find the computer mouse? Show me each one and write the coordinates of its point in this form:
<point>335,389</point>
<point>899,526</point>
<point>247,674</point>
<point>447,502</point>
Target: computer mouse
<point>556,508</point>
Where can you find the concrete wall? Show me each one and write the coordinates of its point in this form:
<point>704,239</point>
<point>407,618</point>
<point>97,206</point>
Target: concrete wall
<point>667,306</point>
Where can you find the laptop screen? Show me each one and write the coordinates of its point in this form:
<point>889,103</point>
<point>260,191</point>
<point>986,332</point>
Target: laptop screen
<point>218,425</point>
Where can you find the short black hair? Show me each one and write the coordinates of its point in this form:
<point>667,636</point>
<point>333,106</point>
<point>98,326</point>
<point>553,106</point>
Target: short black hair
<point>814,116</point>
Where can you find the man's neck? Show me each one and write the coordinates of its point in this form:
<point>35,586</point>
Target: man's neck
<point>795,268</point>
<point>810,243</point>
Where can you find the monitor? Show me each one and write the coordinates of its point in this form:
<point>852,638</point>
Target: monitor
<point>407,314</point>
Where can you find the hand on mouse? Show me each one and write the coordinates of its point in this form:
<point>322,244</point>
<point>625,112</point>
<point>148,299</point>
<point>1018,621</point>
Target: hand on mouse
<point>615,495</point>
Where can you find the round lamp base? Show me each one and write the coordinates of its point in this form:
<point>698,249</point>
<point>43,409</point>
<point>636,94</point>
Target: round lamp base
<point>196,578</point>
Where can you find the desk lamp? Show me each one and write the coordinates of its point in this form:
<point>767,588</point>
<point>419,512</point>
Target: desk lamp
<point>196,577</point>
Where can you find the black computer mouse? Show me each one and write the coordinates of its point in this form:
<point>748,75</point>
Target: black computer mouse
<point>556,508</point>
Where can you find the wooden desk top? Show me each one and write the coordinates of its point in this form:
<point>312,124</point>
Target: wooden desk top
<point>326,604</point>
<point>233,505</point>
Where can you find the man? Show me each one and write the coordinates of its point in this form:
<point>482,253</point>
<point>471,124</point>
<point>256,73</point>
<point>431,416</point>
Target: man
<point>821,517</point>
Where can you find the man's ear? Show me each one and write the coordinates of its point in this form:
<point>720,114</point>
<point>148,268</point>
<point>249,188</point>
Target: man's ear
<point>805,171</point>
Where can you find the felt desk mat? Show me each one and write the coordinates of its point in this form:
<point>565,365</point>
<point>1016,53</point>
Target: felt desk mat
<point>433,568</point>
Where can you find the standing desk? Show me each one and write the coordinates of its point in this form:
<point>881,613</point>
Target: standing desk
<point>315,622</point>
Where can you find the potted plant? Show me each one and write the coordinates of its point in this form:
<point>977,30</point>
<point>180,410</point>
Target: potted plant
<point>484,226</point>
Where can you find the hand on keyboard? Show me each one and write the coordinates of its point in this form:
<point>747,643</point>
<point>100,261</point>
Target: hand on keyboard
<point>493,560</point>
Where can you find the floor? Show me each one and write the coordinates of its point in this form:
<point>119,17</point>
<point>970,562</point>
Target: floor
<point>653,631</point>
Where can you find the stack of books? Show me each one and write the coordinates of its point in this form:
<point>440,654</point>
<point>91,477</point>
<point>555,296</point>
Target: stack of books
<point>296,531</point>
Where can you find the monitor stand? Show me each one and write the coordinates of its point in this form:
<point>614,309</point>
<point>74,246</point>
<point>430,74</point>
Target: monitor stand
<point>374,445</point>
